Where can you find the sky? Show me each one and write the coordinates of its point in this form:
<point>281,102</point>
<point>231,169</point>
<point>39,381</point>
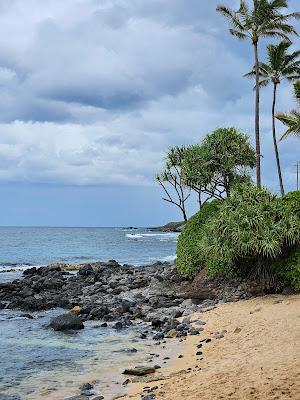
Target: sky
<point>94,92</point>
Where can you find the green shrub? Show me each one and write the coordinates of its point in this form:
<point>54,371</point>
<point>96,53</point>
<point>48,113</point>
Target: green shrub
<point>190,258</point>
<point>288,269</point>
<point>292,199</point>
<point>251,230</point>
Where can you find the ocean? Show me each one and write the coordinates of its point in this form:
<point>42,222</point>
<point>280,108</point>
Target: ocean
<point>37,362</point>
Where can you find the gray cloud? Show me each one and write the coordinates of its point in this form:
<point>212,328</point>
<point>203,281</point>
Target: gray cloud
<point>95,92</point>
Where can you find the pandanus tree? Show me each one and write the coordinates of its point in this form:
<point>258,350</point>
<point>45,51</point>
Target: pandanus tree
<point>292,120</point>
<point>265,18</point>
<point>281,65</point>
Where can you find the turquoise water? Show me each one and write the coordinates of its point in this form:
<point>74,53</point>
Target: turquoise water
<point>37,362</point>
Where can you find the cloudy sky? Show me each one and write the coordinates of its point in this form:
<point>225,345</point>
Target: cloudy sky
<point>93,93</point>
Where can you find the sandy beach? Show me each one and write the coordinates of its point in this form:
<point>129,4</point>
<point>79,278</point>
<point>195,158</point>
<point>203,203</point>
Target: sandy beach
<point>258,357</point>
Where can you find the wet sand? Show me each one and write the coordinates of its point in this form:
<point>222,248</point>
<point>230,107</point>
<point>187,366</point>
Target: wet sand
<point>258,357</point>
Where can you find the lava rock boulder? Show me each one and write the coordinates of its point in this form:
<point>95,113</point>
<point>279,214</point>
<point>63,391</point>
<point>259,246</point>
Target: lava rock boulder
<point>65,322</point>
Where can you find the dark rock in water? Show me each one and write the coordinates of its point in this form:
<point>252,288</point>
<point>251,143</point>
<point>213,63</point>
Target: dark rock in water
<point>4,396</point>
<point>100,397</point>
<point>118,325</point>
<point>80,397</point>
<point>86,386</point>
<point>68,321</point>
<point>28,316</point>
<point>133,350</point>
<point>139,371</point>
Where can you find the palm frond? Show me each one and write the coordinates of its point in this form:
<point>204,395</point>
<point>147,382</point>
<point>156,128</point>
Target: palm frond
<point>232,16</point>
<point>292,121</point>
<point>238,34</point>
<point>275,4</point>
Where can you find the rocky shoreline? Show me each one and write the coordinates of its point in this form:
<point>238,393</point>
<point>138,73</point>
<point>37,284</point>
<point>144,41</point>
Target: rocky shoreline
<point>111,292</point>
<point>154,298</point>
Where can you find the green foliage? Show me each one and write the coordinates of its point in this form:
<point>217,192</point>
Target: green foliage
<point>292,120</point>
<point>219,162</point>
<point>288,269</point>
<point>252,229</point>
<point>292,199</point>
<point>190,258</point>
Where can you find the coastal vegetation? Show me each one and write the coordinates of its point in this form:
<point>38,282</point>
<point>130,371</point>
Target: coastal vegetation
<point>252,234</point>
<point>242,229</point>
<point>292,120</point>
<point>190,257</point>
<point>210,169</point>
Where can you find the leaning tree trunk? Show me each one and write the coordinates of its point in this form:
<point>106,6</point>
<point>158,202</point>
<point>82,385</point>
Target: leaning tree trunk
<point>184,213</point>
<point>275,141</point>
<point>257,135</point>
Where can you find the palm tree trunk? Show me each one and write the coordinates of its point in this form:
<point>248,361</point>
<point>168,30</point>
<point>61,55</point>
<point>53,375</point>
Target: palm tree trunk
<point>257,135</point>
<point>275,141</point>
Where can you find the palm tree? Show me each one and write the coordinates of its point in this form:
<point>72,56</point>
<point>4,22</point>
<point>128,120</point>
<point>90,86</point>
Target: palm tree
<point>292,120</point>
<point>263,19</point>
<point>281,64</point>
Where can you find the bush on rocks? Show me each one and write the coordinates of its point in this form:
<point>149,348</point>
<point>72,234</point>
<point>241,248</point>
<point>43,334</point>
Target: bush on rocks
<point>252,229</point>
<point>253,234</point>
<point>190,257</point>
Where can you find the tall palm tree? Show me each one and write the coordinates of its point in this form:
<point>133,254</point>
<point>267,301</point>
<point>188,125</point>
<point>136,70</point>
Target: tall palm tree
<point>263,19</point>
<point>281,65</point>
<point>292,120</point>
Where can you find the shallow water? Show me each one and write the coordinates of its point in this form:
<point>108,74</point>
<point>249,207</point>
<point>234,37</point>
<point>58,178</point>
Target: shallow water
<point>37,362</point>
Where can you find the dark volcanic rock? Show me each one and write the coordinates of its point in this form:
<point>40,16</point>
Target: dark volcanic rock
<point>68,321</point>
<point>140,371</point>
<point>86,270</point>
<point>86,386</point>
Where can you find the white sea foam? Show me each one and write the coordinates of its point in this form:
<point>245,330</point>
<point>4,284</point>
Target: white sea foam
<point>159,236</point>
<point>168,258</point>
<point>133,237</point>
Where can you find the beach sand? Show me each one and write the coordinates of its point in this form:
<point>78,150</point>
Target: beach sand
<point>258,358</point>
